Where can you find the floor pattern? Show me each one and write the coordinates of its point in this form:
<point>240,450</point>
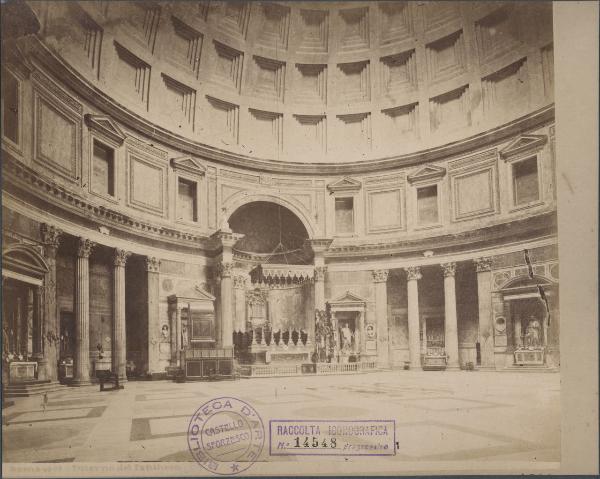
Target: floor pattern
<point>440,416</point>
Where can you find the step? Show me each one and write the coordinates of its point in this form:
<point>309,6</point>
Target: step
<point>17,390</point>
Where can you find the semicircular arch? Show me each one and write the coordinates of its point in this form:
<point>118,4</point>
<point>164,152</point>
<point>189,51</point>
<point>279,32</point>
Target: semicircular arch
<point>242,198</point>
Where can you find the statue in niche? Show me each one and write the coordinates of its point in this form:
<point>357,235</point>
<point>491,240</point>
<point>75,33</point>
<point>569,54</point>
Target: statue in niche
<point>346,338</point>
<point>533,333</point>
<point>184,336</point>
<point>224,223</point>
<point>165,332</point>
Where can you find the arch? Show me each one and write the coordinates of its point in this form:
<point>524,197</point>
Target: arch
<point>24,259</point>
<point>244,197</point>
<point>526,282</point>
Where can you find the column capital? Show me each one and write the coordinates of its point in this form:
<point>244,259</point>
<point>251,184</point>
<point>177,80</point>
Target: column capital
<point>380,275</point>
<point>84,247</point>
<point>120,257</point>
<point>449,269</point>
<point>413,273</point>
<point>50,235</point>
<point>152,264</point>
<point>239,281</point>
<point>225,269</point>
<point>483,264</point>
<point>320,273</point>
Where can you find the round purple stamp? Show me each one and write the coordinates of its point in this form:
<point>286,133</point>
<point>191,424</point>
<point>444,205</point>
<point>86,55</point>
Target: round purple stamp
<point>226,435</point>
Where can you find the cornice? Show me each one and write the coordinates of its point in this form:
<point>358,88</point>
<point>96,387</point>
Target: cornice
<point>30,184</point>
<point>50,61</point>
<point>537,226</point>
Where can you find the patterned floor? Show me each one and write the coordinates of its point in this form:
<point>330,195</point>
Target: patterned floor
<point>470,418</point>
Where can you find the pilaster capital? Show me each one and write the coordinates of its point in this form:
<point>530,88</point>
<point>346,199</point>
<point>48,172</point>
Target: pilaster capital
<point>413,273</point>
<point>50,235</point>
<point>225,269</point>
<point>239,281</point>
<point>449,269</point>
<point>380,275</point>
<point>320,273</point>
<point>84,247</point>
<point>152,264</point>
<point>483,264</point>
<point>120,257</point>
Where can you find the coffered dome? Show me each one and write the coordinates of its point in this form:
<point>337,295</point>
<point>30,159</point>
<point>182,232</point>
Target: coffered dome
<point>312,82</point>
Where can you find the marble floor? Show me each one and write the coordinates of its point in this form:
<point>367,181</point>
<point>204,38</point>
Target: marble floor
<point>465,420</point>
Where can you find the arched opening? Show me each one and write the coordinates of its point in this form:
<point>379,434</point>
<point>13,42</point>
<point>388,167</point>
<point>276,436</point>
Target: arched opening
<point>272,233</point>
<point>23,275</point>
<point>275,308</point>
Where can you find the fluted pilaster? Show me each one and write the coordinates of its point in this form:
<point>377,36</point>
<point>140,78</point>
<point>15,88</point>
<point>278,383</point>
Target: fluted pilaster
<point>483,266</point>
<point>153,269</point>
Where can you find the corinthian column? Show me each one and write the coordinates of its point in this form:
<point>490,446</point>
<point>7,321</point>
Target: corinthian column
<point>153,270</point>
<point>483,267</point>
<point>119,352</point>
<point>226,240</point>
<point>413,275</point>
<point>225,270</point>
<point>450,320</point>
<point>380,277</point>
<point>50,330</point>
<point>239,286</point>
<point>82,312</point>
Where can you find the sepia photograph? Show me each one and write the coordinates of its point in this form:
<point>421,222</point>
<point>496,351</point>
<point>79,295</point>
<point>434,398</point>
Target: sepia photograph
<point>296,238</point>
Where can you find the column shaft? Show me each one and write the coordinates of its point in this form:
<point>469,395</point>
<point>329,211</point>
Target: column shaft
<point>153,268</point>
<point>484,299</point>
<point>119,347</point>
<point>239,286</point>
<point>82,312</point>
<point>383,337</point>
<point>413,274</point>
<point>226,305</point>
<point>450,319</point>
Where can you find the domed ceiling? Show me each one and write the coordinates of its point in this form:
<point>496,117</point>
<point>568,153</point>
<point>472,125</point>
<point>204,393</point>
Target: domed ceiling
<point>312,82</point>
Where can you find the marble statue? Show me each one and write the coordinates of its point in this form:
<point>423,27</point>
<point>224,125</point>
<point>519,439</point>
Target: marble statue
<point>533,333</point>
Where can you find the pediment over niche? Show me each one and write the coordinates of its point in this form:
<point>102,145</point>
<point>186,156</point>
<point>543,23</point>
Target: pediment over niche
<point>189,165</point>
<point>199,295</point>
<point>427,173</point>
<point>345,184</point>
<point>523,144</point>
<point>347,299</point>
<point>106,127</point>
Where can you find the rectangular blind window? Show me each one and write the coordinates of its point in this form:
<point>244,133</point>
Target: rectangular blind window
<point>103,170</point>
<point>427,205</point>
<point>344,215</point>
<point>187,201</point>
<point>525,177</point>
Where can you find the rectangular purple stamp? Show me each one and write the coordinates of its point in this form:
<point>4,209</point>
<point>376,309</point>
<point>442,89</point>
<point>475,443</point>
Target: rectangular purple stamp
<point>316,437</point>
